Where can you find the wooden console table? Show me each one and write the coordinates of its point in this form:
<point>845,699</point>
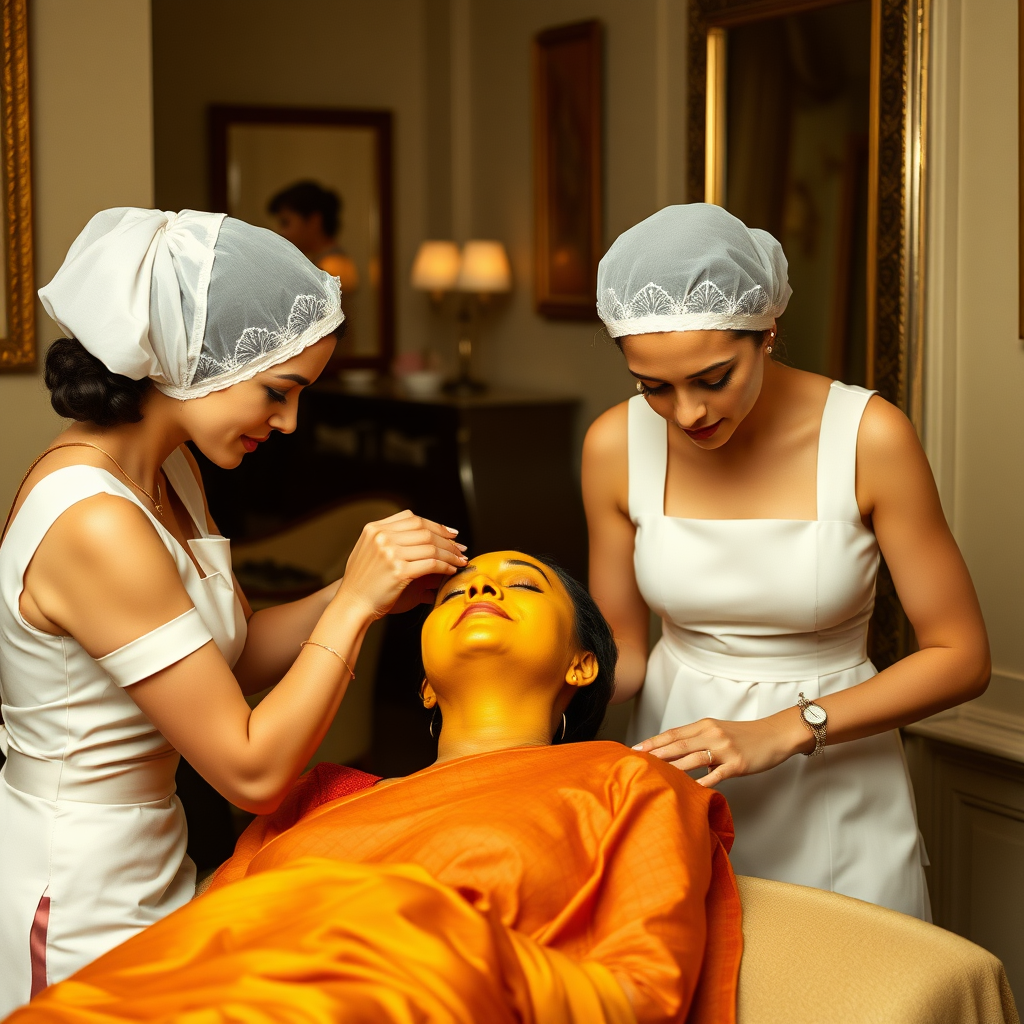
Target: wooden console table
<point>499,467</point>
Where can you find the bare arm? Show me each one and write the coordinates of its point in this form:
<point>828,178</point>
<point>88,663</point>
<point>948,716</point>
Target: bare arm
<point>896,490</point>
<point>612,536</point>
<point>274,634</point>
<point>103,576</point>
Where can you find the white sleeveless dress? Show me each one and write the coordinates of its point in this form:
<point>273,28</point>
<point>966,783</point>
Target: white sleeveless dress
<point>755,611</point>
<point>92,837</point>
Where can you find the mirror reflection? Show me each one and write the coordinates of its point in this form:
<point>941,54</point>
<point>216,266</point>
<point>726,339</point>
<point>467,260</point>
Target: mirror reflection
<point>797,116</point>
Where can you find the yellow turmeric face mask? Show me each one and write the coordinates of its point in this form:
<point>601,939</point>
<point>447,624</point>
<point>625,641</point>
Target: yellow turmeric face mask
<point>506,613</point>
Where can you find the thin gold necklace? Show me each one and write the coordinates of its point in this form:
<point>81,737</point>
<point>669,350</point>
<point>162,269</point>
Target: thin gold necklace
<point>158,505</point>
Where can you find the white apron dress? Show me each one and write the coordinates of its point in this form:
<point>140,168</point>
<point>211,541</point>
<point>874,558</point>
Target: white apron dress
<point>92,837</point>
<point>755,611</point>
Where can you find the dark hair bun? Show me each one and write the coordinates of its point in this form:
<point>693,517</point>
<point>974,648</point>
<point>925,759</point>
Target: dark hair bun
<point>82,388</point>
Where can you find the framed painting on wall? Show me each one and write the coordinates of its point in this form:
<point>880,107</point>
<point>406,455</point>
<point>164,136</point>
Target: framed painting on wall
<point>322,178</point>
<point>17,297</point>
<point>567,147</point>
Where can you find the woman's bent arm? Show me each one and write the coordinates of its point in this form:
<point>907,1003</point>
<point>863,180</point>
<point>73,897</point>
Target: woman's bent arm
<point>272,642</point>
<point>103,576</point>
<point>896,490</point>
<point>612,537</point>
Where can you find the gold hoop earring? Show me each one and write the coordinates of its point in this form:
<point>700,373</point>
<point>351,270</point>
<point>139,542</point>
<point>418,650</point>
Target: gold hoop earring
<point>433,720</point>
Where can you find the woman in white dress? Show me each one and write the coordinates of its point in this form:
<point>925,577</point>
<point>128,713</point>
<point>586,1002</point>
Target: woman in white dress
<point>745,502</point>
<point>124,639</point>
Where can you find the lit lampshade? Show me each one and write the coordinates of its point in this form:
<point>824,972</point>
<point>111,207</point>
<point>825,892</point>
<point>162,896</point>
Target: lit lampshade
<point>436,267</point>
<point>485,268</point>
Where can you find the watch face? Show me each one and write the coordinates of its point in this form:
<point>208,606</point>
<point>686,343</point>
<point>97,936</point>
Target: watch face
<point>814,715</point>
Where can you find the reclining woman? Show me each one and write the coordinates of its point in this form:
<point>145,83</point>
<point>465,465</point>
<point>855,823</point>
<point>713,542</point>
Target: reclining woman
<point>522,877</point>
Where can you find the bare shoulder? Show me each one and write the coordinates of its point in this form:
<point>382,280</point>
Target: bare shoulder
<point>106,530</point>
<point>892,468</point>
<point>607,436</point>
<point>606,460</point>
<point>885,434</point>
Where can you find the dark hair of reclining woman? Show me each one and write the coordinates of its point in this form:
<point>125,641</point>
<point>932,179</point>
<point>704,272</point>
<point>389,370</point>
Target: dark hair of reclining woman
<point>516,879</point>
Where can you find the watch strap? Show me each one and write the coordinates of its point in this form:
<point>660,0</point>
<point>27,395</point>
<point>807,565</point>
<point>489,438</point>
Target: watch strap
<point>818,731</point>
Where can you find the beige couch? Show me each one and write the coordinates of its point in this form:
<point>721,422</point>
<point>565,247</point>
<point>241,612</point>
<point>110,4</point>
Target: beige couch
<point>815,957</point>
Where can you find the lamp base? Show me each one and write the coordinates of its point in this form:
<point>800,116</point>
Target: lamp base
<point>463,387</point>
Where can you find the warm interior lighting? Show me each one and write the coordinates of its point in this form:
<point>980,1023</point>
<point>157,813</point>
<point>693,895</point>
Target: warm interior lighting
<point>436,267</point>
<point>485,268</point>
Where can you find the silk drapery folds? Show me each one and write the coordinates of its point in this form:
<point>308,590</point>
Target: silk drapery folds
<point>576,884</point>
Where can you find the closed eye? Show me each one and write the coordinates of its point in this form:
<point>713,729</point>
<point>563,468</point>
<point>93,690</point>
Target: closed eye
<point>274,395</point>
<point>451,594</point>
<point>716,385</point>
<point>526,586</point>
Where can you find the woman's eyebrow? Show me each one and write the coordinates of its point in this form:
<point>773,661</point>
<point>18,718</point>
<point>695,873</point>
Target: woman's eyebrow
<point>519,561</point>
<point>645,376</point>
<point>297,377</point>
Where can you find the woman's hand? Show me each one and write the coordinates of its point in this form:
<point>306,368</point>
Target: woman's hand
<point>397,562</point>
<point>737,748</point>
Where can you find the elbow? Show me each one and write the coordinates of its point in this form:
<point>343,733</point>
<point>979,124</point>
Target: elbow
<point>259,795</point>
<point>982,675</point>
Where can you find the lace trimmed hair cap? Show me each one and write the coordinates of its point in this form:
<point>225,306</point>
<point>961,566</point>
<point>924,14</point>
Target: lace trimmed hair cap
<point>194,301</point>
<point>692,268</point>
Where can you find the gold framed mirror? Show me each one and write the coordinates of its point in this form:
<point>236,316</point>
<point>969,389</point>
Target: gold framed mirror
<point>807,118</point>
<point>17,312</point>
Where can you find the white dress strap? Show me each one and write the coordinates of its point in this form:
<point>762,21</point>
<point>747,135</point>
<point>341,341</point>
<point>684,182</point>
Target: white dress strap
<point>48,500</point>
<point>647,450</point>
<point>180,476</point>
<point>837,453</point>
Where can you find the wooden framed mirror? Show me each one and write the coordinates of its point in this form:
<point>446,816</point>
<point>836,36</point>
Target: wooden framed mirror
<point>807,119</point>
<point>260,155</point>
<point>17,298</point>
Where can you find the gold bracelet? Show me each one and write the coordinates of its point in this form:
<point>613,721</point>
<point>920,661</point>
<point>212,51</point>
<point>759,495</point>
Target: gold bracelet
<point>316,643</point>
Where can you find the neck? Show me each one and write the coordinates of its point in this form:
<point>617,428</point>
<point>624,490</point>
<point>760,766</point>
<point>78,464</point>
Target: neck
<point>491,722</point>
<point>140,448</point>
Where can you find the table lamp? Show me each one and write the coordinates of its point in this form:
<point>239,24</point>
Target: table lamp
<point>482,270</point>
<point>436,268</point>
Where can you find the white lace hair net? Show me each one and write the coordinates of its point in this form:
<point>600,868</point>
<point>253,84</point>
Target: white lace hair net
<point>692,268</point>
<point>194,301</point>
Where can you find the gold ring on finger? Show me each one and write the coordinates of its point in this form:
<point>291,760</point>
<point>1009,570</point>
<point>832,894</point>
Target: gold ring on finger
<point>711,757</point>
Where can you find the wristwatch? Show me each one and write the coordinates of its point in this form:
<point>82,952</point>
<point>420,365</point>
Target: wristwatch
<point>816,719</point>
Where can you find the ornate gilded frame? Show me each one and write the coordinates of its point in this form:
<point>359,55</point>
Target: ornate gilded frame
<point>18,348</point>
<point>895,272</point>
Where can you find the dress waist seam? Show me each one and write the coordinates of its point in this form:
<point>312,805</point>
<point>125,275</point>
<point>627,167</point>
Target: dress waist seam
<point>767,666</point>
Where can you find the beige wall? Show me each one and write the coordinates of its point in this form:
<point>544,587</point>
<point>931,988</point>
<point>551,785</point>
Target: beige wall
<point>91,148</point>
<point>975,362</point>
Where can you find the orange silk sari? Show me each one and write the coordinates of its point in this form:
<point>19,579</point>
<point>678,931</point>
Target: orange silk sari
<point>576,884</point>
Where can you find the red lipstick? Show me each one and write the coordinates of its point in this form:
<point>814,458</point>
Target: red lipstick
<point>250,443</point>
<point>704,433</point>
